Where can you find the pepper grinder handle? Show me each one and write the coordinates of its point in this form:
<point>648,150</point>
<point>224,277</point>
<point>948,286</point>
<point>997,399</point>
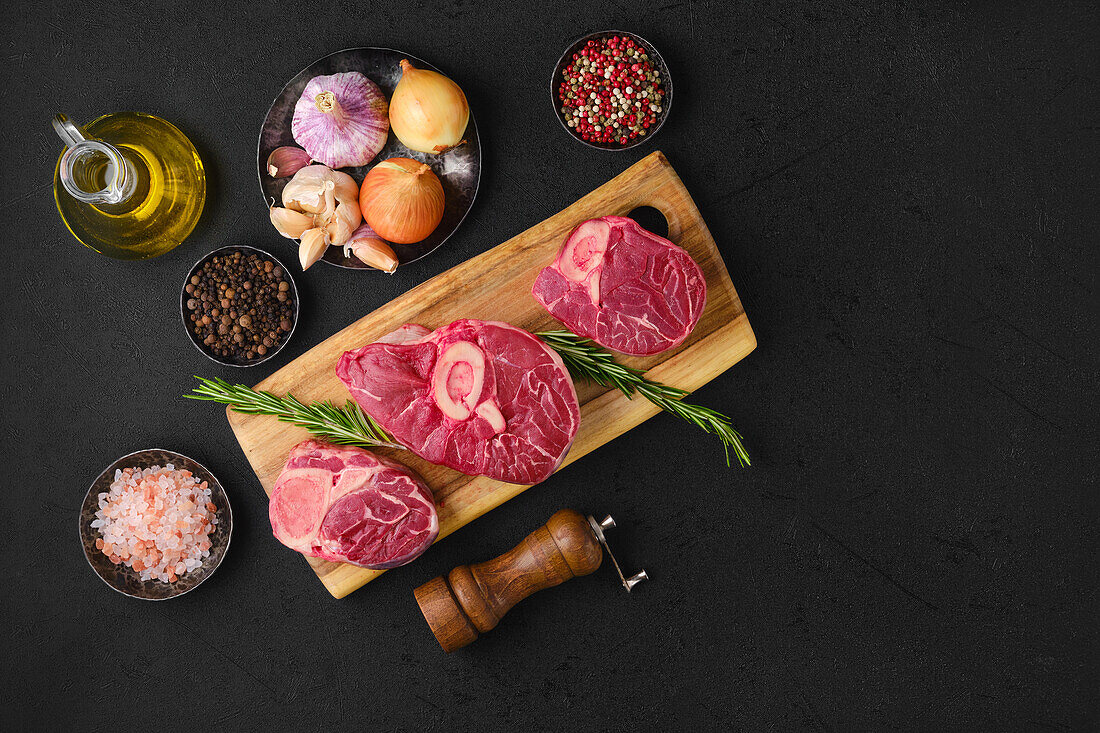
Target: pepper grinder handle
<point>473,598</point>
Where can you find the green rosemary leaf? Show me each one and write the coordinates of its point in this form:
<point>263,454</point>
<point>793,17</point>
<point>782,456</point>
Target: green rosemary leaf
<point>586,360</point>
<point>347,425</point>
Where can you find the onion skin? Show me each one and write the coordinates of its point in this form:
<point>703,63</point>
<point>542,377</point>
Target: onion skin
<point>428,111</point>
<point>402,200</point>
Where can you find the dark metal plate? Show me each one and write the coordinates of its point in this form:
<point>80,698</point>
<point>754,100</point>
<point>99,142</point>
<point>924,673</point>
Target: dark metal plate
<point>283,340</point>
<point>459,169</point>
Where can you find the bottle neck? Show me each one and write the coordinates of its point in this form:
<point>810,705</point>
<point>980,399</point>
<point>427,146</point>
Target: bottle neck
<point>97,173</point>
<point>93,171</point>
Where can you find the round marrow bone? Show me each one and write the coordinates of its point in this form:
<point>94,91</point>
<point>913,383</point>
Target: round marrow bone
<point>458,379</point>
<point>582,256</point>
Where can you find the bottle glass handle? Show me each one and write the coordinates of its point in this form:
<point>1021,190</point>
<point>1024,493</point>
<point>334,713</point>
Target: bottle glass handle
<point>67,131</point>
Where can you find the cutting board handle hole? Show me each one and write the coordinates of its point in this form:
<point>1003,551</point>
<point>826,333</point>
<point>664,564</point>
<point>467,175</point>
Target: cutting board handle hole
<point>651,219</point>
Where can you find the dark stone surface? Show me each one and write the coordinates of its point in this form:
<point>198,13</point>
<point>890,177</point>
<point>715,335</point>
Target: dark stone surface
<point>906,198</point>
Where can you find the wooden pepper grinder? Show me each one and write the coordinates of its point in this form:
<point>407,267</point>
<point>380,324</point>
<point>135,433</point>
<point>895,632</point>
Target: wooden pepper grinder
<point>473,598</point>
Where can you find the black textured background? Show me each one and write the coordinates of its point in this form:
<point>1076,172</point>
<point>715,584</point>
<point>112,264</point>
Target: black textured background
<point>906,198</point>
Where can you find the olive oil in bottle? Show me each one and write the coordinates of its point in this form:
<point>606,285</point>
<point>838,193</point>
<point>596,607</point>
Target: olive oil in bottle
<point>129,185</point>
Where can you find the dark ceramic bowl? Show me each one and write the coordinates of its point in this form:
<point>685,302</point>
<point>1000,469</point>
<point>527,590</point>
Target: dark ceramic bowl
<point>658,63</point>
<point>127,580</point>
<point>199,344</point>
<point>459,170</point>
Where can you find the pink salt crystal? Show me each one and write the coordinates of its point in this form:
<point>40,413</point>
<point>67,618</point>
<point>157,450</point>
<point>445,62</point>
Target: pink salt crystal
<point>153,521</point>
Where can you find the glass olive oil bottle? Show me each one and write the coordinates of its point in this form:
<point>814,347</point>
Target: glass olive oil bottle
<point>128,185</point>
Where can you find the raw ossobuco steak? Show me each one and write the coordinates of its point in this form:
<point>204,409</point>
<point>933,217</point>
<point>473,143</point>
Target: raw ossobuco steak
<point>623,287</point>
<point>481,397</point>
<point>350,505</point>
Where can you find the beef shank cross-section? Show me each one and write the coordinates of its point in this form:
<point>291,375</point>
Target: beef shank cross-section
<point>481,397</point>
<point>624,287</point>
<point>350,505</point>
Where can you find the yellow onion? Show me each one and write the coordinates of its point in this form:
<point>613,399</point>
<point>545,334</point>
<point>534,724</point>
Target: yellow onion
<point>402,200</point>
<point>428,111</point>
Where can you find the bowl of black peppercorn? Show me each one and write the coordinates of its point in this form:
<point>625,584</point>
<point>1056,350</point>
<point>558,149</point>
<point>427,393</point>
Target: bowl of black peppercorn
<point>239,305</point>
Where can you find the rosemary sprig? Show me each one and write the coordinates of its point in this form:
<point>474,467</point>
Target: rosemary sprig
<point>347,425</point>
<point>586,360</point>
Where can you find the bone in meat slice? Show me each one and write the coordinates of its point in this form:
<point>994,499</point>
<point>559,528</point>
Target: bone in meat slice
<point>481,397</point>
<point>625,288</point>
<point>350,505</point>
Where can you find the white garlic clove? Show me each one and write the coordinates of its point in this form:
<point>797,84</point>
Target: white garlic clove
<point>371,250</point>
<point>306,190</point>
<point>291,224</point>
<point>338,231</point>
<point>343,222</point>
<point>315,187</point>
<point>312,248</point>
<point>346,187</point>
<point>376,253</point>
<point>329,207</point>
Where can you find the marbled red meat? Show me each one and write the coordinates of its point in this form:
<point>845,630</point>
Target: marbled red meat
<point>623,287</point>
<point>481,397</point>
<point>350,505</point>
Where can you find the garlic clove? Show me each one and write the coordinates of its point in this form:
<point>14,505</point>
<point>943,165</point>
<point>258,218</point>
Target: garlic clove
<point>291,224</point>
<point>320,198</point>
<point>329,197</point>
<point>372,250</point>
<point>308,189</point>
<point>286,161</point>
<point>346,187</point>
<point>312,247</point>
<point>338,230</point>
<point>343,223</point>
<point>376,253</point>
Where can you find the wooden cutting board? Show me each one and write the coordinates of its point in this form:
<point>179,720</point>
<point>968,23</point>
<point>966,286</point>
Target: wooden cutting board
<point>496,286</point>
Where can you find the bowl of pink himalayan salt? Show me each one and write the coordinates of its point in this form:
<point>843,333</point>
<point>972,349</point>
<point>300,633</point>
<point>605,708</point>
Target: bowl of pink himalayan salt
<point>155,524</point>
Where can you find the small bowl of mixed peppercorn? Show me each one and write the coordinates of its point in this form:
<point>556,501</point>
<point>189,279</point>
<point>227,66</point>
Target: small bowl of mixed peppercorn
<point>611,90</point>
<point>239,306</point>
